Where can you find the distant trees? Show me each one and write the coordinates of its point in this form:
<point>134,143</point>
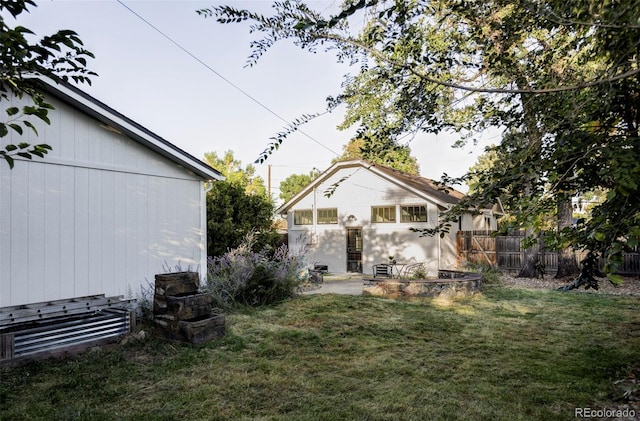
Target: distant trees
<point>234,173</point>
<point>60,55</point>
<point>380,151</point>
<point>291,185</point>
<point>237,206</point>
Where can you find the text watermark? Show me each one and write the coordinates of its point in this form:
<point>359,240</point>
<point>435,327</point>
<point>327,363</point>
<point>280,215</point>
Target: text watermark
<point>604,413</point>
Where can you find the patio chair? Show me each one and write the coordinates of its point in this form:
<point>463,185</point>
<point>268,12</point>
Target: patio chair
<point>413,270</point>
<point>382,270</point>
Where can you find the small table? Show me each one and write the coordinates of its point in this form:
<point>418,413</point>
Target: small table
<point>398,269</point>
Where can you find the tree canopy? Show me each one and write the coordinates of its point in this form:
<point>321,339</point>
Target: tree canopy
<point>232,214</point>
<point>237,206</point>
<point>234,173</point>
<point>561,79</point>
<point>381,152</point>
<point>60,55</point>
<point>291,185</point>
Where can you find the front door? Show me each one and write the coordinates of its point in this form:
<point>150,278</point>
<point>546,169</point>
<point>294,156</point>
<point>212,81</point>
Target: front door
<point>354,250</point>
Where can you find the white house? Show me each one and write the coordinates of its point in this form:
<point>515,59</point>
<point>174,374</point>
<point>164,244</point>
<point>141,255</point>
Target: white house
<point>357,214</point>
<point>103,212</point>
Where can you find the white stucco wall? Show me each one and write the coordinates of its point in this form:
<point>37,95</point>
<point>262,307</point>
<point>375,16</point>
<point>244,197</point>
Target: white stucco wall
<point>354,197</point>
<point>99,214</point>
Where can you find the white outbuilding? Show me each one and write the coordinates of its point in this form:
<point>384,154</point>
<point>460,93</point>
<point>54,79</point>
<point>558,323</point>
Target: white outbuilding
<point>358,214</point>
<point>109,207</point>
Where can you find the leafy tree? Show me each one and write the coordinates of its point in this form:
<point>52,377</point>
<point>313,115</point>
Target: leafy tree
<point>560,77</point>
<point>60,56</point>
<point>291,185</point>
<point>485,162</point>
<point>233,213</point>
<point>382,152</point>
<point>232,169</point>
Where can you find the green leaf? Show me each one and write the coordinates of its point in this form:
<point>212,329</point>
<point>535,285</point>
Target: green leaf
<point>31,126</point>
<point>13,111</point>
<point>9,161</point>
<point>16,127</point>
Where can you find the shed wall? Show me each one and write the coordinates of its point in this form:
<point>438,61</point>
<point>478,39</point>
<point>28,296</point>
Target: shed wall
<point>99,214</point>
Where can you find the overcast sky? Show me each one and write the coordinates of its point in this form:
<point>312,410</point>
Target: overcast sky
<point>187,100</point>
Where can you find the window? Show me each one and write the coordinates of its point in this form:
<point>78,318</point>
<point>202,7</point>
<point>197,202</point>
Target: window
<point>413,214</point>
<point>303,217</point>
<point>383,214</point>
<point>328,216</point>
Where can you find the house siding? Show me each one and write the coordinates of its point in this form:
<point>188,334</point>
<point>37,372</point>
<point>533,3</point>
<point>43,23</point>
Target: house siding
<point>355,196</point>
<point>99,214</point>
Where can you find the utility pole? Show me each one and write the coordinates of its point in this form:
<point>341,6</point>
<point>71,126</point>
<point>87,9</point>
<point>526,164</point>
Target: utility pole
<point>269,180</point>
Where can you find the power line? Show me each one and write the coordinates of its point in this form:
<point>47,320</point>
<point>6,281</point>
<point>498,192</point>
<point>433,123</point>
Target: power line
<point>211,69</point>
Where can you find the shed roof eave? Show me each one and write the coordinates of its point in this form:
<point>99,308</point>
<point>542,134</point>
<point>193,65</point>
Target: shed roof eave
<point>137,132</point>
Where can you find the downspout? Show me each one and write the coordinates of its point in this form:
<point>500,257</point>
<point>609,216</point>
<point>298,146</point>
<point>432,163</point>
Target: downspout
<point>314,215</point>
<point>207,186</point>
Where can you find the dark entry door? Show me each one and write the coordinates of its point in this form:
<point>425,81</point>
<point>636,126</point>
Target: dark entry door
<point>354,250</point>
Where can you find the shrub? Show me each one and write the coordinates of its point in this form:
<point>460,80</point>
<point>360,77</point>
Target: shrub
<point>241,277</point>
<point>490,274</point>
<point>144,300</point>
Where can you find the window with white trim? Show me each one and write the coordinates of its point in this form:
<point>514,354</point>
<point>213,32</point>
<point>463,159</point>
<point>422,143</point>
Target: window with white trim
<point>413,214</point>
<point>383,214</point>
<point>328,216</point>
<point>303,217</point>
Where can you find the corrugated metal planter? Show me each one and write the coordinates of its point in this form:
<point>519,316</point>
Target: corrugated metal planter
<point>57,328</point>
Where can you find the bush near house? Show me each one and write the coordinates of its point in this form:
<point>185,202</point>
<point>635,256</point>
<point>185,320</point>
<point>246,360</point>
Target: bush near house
<point>242,277</point>
<point>232,214</point>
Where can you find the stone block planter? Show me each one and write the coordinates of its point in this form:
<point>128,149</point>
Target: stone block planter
<point>403,288</point>
<point>182,313</point>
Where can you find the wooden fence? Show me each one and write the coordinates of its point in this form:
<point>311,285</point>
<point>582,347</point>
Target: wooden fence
<point>506,252</point>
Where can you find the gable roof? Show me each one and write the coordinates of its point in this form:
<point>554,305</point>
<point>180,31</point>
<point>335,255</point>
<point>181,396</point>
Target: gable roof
<point>420,186</point>
<point>107,115</point>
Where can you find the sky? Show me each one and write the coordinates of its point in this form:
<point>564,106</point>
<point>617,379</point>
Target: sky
<point>187,81</point>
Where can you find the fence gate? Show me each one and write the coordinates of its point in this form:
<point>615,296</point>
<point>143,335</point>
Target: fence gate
<point>477,247</point>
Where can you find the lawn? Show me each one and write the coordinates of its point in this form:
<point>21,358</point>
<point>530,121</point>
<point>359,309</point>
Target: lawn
<point>506,354</point>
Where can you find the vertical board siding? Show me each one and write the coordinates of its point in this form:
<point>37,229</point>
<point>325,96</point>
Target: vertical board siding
<point>35,231</point>
<point>18,232</point>
<point>52,218</point>
<point>97,203</point>
<point>67,228</point>
<point>107,230</point>
<point>5,243</point>
<point>81,231</point>
<point>100,214</point>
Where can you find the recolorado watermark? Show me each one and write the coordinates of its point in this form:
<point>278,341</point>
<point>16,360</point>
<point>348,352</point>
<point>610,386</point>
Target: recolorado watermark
<point>604,413</point>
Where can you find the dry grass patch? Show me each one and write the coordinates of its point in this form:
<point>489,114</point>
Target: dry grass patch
<point>506,354</point>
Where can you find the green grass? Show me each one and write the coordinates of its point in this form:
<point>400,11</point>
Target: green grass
<point>506,354</point>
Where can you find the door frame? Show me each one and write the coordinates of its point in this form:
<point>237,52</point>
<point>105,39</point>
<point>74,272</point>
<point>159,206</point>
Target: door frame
<point>354,249</point>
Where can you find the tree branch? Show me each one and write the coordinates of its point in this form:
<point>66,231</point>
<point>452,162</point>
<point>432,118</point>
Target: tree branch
<point>376,54</point>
